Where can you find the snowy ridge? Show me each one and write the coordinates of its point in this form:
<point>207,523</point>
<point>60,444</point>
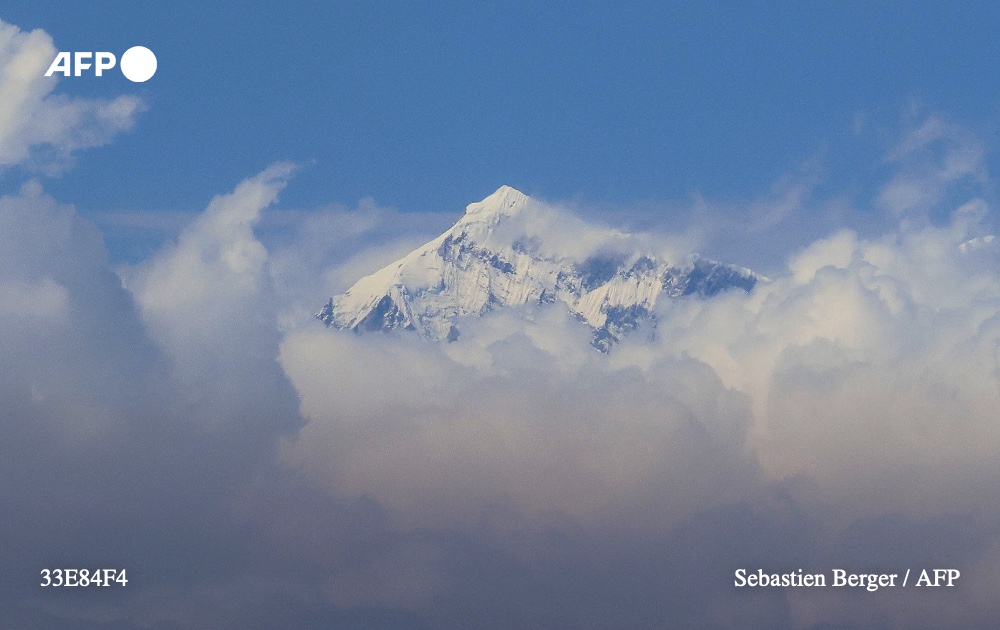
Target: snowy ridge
<point>475,267</point>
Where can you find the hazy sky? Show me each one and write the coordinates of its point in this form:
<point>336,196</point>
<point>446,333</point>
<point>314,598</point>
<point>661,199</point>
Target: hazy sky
<point>170,406</point>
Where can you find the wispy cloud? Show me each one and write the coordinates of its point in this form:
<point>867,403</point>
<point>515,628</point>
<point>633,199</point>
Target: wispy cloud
<point>931,160</point>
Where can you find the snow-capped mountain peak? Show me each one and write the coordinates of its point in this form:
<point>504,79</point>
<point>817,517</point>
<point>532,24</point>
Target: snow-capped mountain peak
<point>506,201</point>
<point>491,259</point>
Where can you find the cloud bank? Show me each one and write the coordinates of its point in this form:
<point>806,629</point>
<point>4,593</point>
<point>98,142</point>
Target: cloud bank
<point>841,415</point>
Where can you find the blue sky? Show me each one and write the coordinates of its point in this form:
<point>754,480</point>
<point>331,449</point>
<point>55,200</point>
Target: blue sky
<point>428,106</point>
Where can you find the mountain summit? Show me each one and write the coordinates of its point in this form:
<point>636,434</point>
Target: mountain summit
<point>494,257</point>
<point>505,201</point>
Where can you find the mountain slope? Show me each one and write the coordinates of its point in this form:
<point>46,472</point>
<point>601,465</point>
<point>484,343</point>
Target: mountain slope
<point>491,259</point>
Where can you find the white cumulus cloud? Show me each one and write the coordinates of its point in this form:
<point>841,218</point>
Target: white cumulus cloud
<point>32,117</point>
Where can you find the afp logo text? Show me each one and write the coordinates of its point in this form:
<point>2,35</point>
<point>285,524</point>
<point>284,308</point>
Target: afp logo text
<point>138,64</point>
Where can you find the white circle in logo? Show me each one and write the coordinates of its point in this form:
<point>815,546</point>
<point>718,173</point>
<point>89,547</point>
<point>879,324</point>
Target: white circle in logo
<point>138,64</point>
